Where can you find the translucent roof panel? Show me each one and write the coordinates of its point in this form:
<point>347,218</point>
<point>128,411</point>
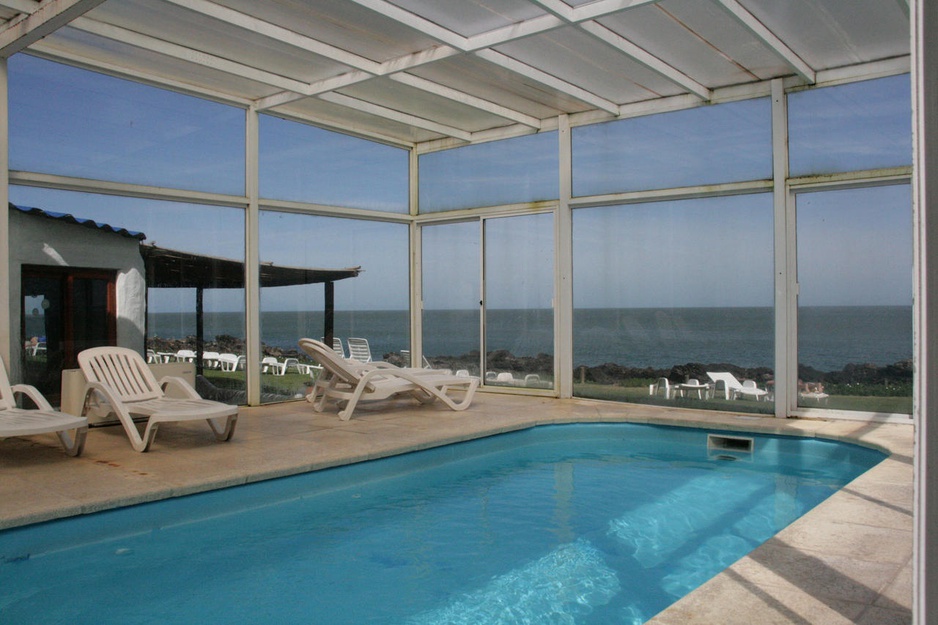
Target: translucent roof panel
<point>422,72</point>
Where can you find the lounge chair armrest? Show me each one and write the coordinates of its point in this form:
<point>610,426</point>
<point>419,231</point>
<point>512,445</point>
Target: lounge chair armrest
<point>33,393</point>
<point>96,387</point>
<point>176,383</point>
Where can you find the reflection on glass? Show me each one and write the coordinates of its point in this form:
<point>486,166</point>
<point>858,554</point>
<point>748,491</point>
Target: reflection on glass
<point>73,122</point>
<point>666,293</point>
<point>155,307</point>
<point>451,296</point>
<point>855,299</point>
<point>372,306</point>
<point>863,125</point>
<point>706,145</point>
<point>511,171</point>
<point>308,164</point>
<point>519,318</point>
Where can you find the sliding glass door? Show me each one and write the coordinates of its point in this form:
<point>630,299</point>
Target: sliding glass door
<point>487,299</point>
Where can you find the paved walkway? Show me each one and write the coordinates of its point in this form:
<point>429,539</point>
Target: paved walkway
<point>846,561</point>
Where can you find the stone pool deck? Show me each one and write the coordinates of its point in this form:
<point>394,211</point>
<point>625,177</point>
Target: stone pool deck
<point>846,561</point>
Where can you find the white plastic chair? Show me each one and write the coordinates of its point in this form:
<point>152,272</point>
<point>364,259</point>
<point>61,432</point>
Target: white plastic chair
<point>14,421</point>
<point>358,349</point>
<point>348,382</point>
<point>120,381</point>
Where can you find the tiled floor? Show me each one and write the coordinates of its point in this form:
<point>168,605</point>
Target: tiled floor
<point>847,561</point>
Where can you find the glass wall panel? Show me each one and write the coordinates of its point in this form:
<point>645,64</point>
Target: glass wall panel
<point>673,303</point>
<point>519,287</point>
<point>512,171</point>
<point>863,125</point>
<point>372,306</point>
<point>307,164</point>
<point>451,294</point>
<point>74,122</point>
<point>855,299</point>
<point>151,312</point>
<point>706,145</point>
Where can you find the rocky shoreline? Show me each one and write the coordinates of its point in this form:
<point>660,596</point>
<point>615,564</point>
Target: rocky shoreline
<point>896,376</point>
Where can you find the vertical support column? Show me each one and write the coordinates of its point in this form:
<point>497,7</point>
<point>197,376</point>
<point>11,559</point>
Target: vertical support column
<point>252,292</point>
<point>786,366</point>
<point>925,311</point>
<point>563,266</point>
<point>416,264</point>
<point>328,307</point>
<point>199,329</point>
<point>5,319</point>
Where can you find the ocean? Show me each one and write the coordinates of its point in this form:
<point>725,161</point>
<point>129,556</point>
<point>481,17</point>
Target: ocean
<point>829,337</point>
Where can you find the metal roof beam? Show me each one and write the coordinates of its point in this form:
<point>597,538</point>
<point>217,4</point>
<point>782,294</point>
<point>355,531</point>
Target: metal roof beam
<point>416,22</point>
<point>464,98</point>
<point>770,39</point>
<point>585,16</point>
<point>398,116</point>
<point>173,50</point>
<point>549,80</point>
<point>643,57</point>
<point>47,17</point>
<point>459,42</point>
<point>278,33</point>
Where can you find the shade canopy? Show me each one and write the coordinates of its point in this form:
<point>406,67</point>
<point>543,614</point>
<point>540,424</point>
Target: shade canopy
<point>177,269</point>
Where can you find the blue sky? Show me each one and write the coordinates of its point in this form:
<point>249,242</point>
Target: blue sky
<point>855,247</point>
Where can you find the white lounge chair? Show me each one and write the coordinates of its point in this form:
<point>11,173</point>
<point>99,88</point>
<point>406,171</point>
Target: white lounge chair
<point>119,378</point>
<point>210,360</point>
<point>14,421</point>
<point>185,355</point>
<point>358,349</point>
<point>271,365</point>
<point>733,388</point>
<point>337,347</point>
<point>230,362</point>
<point>346,381</point>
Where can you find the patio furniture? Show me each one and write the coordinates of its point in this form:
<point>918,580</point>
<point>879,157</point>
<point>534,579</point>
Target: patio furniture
<point>15,421</point>
<point>185,355</point>
<point>119,381</point>
<point>230,362</point>
<point>348,382</point>
<point>210,360</point>
<point>659,385</point>
<point>358,349</point>
<point>271,365</point>
<point>732,388</point>
<point>693,385</point>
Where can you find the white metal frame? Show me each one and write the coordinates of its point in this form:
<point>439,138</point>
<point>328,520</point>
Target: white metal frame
<point>780,185</point>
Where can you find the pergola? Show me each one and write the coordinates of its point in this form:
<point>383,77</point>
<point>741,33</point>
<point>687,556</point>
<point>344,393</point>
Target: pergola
<point>173,269</point>
<point>427,75</point>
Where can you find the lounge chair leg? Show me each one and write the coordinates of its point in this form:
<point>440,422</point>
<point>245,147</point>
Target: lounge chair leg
<point>224,434</point>
<point>74,444</point>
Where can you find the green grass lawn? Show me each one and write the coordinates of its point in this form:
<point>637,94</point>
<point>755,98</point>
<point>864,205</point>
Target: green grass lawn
<point>639,395</point>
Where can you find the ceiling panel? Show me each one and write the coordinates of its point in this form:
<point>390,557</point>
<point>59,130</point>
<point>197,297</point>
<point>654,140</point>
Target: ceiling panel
<point>412,71</point>
<point>581,59</point>
<point>411,101</point>
<point>832,33</point>
<point>472,17</point>
<point>501,86</point>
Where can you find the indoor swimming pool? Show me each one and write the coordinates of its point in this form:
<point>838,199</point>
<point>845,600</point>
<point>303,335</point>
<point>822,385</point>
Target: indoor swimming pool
<point>562,524</point>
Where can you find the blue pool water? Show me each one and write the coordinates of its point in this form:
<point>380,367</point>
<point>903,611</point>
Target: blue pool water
<point>572,524</point>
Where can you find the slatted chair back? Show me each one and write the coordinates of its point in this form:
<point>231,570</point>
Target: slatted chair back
<point>359,349</point>
<point>122,370</point>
